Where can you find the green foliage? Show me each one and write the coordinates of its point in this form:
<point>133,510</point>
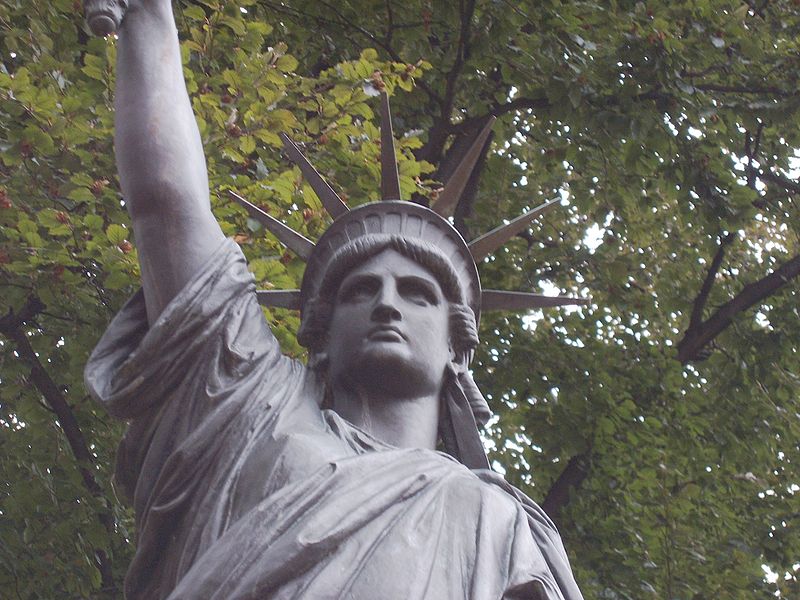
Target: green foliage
<point>667,125</point>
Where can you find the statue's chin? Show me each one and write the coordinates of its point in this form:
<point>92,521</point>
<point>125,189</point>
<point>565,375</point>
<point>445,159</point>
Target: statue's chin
<point>390,371</point>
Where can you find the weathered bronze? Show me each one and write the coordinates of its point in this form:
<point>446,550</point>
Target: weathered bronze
<point>255,476</point>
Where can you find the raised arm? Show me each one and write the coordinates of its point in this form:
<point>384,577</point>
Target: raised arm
<point>160,156</point>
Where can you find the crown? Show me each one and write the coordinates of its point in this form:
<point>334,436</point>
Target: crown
<point>392,216</point>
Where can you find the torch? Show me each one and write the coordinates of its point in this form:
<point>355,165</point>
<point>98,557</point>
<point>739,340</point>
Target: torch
<point>104,16</point>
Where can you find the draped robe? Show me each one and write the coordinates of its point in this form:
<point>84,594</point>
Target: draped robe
<point>244,488</point>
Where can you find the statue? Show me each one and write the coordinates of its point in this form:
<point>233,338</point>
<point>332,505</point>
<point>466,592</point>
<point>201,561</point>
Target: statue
<point>255,476</point>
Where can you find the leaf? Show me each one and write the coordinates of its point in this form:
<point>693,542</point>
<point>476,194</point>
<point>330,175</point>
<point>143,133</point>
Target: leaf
<point>369,54</point>
<point>93,222</point>
<point>81,194</point>
<point>286,63</point>
<point>117,280</point>
<point>94,67</point>
<point>236,24</point>
<point>194,12</point>
<point>116,233</point>
<point>247,144</point>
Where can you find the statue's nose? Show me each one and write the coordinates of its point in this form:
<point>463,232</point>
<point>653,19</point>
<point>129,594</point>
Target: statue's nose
<point>386,305</point>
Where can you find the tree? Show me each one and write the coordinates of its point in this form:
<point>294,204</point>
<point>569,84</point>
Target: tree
<point>659,426</point>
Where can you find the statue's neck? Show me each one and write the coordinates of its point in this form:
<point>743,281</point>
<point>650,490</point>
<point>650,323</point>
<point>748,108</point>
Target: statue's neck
<point>400,422</point>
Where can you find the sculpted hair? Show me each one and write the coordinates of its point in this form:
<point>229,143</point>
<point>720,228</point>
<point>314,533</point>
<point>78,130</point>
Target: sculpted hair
<point>318,310</point>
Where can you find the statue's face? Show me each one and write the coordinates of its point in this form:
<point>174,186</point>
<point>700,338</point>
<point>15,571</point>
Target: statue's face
<point>390,328</point>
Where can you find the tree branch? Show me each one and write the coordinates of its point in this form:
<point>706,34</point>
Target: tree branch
<point>696,338</point>
<point>744,89</point>
<point>702,297</point>
<point>11,326</point>
<point>499,110</point>
<point>433,149</point>
<point>389,24</point>
<point>776,178</point>
<point>558,496</point>
<point>751,146</point>
<point>14,320</point>
<point>542,103</point>
<point>341,21</point>
<point>462,50</point>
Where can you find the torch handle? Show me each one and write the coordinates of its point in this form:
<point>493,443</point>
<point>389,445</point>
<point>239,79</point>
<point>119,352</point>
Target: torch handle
<point>104,16</point>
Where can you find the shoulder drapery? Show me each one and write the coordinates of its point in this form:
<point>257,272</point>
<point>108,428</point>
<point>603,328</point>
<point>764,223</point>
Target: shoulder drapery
<point>183,384</point>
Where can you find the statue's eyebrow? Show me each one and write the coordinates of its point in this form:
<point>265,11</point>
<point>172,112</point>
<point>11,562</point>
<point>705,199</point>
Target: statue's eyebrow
<point>350,277</point>
<point>351,280</point>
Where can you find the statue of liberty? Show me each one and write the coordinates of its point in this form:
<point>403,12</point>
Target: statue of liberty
<point>255,476</point>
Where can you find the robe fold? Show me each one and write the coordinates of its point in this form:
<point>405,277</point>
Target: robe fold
<point>244,488</point>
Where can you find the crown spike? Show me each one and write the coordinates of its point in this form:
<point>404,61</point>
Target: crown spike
<point>329,198</point>
<point>390,180</point>
<point>504,300</point>
<point>484,245</point>
<point>298,244</point>
<point>445,205</point>
<point>279,298</point>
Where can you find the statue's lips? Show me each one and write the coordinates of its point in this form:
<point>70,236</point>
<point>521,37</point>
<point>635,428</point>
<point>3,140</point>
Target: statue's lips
<point>386,333</point>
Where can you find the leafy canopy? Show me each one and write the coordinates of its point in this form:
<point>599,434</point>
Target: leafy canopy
<point>659,426</point>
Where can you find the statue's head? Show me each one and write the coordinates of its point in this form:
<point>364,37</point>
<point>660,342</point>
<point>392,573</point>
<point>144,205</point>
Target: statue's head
<point>392,308</point>
<point>391,290</point>
<point>373,231</point>
<point>393,244</point>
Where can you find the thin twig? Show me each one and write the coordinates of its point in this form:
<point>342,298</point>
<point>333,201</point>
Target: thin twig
<point>702,297</point>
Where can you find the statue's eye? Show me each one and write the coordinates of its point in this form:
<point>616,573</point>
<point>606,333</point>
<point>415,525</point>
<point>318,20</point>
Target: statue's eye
<point>417,290</point>
<point>359,289</point>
